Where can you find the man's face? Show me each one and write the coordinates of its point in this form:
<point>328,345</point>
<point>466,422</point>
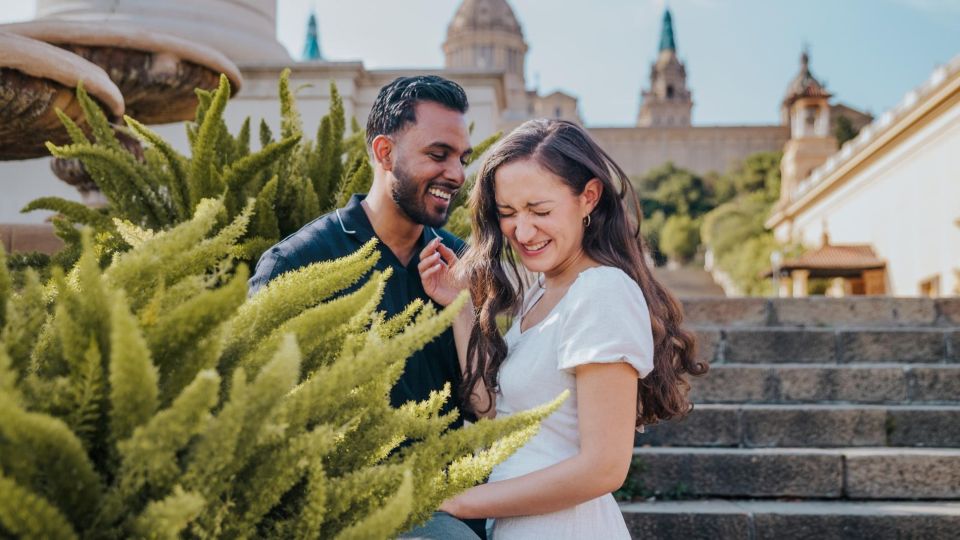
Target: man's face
<point>429,162</point>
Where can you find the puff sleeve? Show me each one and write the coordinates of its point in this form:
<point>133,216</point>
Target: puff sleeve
<point>606,320</point>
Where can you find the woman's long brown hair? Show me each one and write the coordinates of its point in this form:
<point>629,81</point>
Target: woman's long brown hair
<point>496,285</point>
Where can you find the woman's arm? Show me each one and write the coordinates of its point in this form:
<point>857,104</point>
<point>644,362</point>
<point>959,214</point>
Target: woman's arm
<point>480,399</point>
<point>440,283</point>
<point>606,409</point>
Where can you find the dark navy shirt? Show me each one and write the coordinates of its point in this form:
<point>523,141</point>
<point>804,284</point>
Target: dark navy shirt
<point>341,233</point>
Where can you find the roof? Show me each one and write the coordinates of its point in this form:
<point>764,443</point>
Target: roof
<point>835,260</point>
<point>484,15</point>
<point>804,84</point>
<point>667,42</point>
<point>311,47</point>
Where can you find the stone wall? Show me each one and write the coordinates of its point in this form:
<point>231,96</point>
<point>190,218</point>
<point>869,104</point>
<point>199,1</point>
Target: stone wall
<point>700,149</point>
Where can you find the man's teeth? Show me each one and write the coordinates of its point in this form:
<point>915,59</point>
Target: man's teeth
<point>445,195</point>
<point>536,247</point>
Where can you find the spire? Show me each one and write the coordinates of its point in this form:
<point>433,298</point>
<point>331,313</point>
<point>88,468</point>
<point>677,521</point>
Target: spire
<point>667,42</point>
<point>804,84</point>
<point>311,49</point>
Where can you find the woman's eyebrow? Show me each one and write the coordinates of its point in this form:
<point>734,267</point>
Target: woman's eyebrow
<point>528,205</point>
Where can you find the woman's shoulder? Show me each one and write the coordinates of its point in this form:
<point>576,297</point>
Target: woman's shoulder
<point>598,280</point>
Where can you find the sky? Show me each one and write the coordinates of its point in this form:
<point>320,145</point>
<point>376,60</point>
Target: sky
<point>739,54</point>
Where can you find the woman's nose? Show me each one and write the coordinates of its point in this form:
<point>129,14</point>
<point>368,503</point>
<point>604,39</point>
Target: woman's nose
<point>525,230</point>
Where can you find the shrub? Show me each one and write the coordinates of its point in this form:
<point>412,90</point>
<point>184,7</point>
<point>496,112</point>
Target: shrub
<point>152,398</point>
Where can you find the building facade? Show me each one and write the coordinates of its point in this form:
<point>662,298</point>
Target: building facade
<point>894,189</point>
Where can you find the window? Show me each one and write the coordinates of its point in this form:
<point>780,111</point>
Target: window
<point>669,91</point>
<point>513,61</point>
<point>809,120</point>
<point>558,112</point>
<point>485,56</point>
<point>930,287</point>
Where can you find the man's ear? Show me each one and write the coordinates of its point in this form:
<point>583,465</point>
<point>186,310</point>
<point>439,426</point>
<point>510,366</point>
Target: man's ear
<point>382,149</point>
<point>591,194</point>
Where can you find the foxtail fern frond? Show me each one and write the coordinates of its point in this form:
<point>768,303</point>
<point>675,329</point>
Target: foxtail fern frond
<point>200,176</point>
<point>177,182</point>
<point>76,212</point>
<point>76,134</point>
<point>387,519</point>
<point>133,377</point>
<point>24,514</point>
<point>167,518</point>
<point>99,125</point>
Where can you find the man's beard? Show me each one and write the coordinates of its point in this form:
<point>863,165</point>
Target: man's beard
<point>406,195</point>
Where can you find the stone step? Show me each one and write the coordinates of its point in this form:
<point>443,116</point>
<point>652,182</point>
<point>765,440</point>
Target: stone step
<point>810,425</point>
<point>822,312</point>
<point>807,473</point>
<point>812,383</point>
<point>792,520</point>
<point>829,345</point>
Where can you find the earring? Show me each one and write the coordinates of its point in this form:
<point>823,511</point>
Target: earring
<point>586,221</point>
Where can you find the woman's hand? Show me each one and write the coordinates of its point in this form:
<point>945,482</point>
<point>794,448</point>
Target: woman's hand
<point>437,273</point>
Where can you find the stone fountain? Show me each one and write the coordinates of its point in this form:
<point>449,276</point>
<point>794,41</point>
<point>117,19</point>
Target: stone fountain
<point>143,58</point>
<point>35,80</point>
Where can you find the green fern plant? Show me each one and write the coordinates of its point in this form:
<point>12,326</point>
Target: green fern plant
<point>151,398</point>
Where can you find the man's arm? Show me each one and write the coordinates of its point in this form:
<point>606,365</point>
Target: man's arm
<point>270,265</point>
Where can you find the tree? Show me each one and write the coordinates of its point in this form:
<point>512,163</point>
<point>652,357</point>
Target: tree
<point>651,228</point>
<point>665,192</point>
<point>674,191</point>
<point>152,398</point>
<point>734,231</point>
<point>844,130</point>
<point>757,173</point>
<point>680,238</point>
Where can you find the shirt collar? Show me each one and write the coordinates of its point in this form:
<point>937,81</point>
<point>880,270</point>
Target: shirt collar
<point>354,221</point>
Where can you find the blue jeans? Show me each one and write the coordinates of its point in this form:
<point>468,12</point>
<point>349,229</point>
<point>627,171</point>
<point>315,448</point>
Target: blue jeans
<point>442,526</point>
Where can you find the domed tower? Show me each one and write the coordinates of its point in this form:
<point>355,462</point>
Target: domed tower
<point>806,110</point>
<point>668,102</point>
<point>485,34</point>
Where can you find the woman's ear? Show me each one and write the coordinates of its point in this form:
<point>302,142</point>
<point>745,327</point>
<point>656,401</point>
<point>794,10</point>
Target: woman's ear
<point>591,194</point>
<point>382,149</point>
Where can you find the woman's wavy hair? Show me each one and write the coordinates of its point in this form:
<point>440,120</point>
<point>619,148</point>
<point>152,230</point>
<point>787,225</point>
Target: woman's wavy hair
<point>612,238</point>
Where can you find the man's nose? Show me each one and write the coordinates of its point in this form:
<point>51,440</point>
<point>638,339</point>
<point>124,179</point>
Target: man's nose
<point>455,172</point>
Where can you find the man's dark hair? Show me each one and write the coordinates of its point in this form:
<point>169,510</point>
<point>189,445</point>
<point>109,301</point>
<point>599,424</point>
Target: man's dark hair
<point>395,106</point>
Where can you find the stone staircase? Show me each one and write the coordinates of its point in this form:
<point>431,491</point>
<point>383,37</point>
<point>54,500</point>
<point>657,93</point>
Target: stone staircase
<point>820,418</point>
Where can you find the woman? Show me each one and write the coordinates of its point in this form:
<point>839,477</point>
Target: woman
<point>596,322</point>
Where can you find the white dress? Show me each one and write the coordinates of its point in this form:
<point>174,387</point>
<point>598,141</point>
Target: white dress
<point>602,318</point>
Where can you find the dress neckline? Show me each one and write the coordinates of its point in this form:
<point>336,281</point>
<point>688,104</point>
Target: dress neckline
<point>539,295</point>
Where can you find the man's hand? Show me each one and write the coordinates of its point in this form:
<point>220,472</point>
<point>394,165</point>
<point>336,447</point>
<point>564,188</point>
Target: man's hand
<point>437,273</point>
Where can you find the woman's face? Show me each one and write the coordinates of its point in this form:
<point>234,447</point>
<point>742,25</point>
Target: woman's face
<point>540,216</point>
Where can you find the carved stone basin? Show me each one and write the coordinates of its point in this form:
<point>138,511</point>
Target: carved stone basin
<point>156,73</point>
<point>35,80</point>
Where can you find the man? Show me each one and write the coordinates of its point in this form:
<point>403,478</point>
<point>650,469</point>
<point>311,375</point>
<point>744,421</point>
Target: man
<point>418,140</point>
